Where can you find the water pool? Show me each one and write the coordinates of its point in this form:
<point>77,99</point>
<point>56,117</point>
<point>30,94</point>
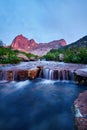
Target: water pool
<point>38,105</point>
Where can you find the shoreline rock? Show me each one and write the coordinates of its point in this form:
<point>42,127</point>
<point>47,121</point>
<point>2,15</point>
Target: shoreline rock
<point>80,108</point>
<point>81,76</point>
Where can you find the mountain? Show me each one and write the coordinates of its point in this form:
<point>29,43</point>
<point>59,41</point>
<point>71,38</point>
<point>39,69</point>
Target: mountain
<point>82,42</point>
<point>22,43</point>
<point>43,48</point>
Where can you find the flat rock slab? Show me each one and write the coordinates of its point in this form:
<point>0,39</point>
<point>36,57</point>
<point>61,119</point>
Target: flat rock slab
<point>81,72</point>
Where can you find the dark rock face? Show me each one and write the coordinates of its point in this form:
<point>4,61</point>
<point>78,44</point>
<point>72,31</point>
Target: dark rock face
<point>22,43</point>
<point>22,75</point>
<point>10,75</point>
<point>81,111</point>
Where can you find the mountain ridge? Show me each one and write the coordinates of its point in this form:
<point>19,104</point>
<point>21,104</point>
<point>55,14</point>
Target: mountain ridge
<point>82,42</point>
<point>22,43</point>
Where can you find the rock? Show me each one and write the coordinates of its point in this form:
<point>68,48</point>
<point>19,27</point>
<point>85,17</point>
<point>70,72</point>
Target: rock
<point>21,75</point>
<point>32,59</point>
<point>81,72</point>
<point>23,57</point>
<point>55,74</point>
<point>33,73</point>
<point>81,76</point>
<point>80,107</point>
<point>10,75</point>
<point>61,57</point>
<point>40,67</point>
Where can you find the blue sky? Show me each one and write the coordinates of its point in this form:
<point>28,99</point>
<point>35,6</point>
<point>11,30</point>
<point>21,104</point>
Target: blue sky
<point>43,20</point>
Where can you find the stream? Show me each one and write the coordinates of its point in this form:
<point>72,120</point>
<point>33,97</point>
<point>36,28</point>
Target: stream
<point>38,104</point>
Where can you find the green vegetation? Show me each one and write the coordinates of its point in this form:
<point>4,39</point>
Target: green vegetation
<point>7,55</point>
<point>71,55</point>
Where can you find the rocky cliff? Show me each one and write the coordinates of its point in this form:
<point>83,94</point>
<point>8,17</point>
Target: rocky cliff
<point>22,43</point>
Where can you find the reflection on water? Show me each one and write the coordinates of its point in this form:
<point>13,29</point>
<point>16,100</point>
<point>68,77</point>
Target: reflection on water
<point>37,105</point>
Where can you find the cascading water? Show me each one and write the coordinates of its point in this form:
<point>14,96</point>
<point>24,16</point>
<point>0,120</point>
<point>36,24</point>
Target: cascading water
<point>8,75</point>
<point>57,74</point>
<point>51,72</point>
<point>46,73</point>
<point>64,74</point>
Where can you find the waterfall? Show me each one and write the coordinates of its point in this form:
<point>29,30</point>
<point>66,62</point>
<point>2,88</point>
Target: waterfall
<point>7,75</point>
<point>71,74</point>
<point>46,73</point>
<point>4,75</point>
<point>63,75</point>
<point>67,75</point>
<point>51,72</point>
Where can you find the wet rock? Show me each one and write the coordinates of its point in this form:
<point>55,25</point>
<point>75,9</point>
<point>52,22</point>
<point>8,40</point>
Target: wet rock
<point>1,75</point>
<point>60,75</point>
<point>21,75</point>
<point>55,74</point>
<point>80,108</point>
<point>33,73</point>
<point>10,75</point>
<point>40,67</point>
<point>81,72</point>
<point>81,76</point>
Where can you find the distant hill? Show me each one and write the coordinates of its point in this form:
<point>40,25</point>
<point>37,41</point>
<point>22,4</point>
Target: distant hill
<point>72,53</point>
<point>79,43</point>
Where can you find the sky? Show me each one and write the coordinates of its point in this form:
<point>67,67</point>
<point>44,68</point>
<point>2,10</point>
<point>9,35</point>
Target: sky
<point>43,20</point>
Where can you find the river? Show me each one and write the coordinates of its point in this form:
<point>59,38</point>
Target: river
<point>38,104</point>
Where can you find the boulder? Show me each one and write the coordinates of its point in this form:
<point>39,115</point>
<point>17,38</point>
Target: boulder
<point>23,57</point>
<point>61,57</point>
<point>81,76</point>
<point>32,59</point>
<point>80,108</point>
<point>81,72</point>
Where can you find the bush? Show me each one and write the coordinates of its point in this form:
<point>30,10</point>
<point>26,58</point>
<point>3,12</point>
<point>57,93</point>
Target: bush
<point>8,56</point>
<point>71,55</point>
